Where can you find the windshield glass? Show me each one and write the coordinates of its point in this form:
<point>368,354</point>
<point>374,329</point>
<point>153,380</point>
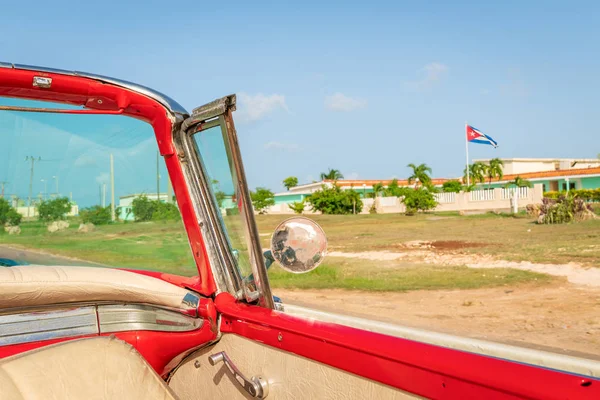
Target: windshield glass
<point>218,164</point>
<point>58,189</point>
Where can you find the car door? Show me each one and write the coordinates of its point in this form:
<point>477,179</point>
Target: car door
<point>264,351</point>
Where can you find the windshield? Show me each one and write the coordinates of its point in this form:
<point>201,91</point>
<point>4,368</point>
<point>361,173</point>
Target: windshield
<point>81,189</point>
<point>217,161</point>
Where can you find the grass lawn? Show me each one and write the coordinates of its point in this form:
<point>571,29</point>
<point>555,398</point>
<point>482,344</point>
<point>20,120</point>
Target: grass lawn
<point>164,246</point>
<point>508,238</point>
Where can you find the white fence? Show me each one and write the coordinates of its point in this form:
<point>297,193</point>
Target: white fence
<point>522,192</point>
<point>444,198</point>
<point>482,195</point>
<point>478,200</point>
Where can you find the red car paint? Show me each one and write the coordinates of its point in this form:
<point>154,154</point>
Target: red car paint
<point>420,368</point>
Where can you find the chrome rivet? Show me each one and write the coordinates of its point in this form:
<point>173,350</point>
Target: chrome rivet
<point>280,337</point>
<point>99,101</point>
<point>197,364</point>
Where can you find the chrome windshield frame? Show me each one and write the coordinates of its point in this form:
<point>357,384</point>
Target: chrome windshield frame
<point>223,265</point>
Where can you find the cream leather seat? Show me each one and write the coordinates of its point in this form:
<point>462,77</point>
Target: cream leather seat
<point>96,368</point>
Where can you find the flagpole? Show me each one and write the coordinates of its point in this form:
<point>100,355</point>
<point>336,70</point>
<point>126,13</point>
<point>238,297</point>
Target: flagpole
<point>467,148</point>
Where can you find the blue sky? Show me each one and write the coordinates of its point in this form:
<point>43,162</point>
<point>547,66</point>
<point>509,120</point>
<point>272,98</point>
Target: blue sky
<point>364,88</point>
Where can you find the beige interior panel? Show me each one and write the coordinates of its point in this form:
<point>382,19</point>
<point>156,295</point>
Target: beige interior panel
<point>93,369</point>
<point>290,376</point>
<point>34,285</point>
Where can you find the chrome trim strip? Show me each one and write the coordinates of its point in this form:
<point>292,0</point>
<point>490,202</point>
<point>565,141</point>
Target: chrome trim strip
<point>33,327</point>
<point>117,318</point>
<point>163,99</point>
<point>545,359</point>
<point>190,302</point>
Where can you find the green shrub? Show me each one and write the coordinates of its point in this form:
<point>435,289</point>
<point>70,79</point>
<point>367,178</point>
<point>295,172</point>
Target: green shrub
<point>96,215</point>
<point>55,209</point>
<point>143,208</point>
<point>8,214</point>
<point>584,194</point>
<point>334,200</point>
<point>297,207</point>
<point>262,199</point>
<point>453,186</point>
<point>419,199</point>
<point>232,211</point>
<point>165,212</point>
<point>565,209</point>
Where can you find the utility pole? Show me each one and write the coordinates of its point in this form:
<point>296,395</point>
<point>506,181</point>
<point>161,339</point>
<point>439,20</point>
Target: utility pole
<point>157,176</point>
<point>2,183</point>
<point>112,188</point>
<point>33,160</point>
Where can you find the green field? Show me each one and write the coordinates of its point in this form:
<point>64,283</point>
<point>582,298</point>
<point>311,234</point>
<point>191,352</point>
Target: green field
<point>164,247</point>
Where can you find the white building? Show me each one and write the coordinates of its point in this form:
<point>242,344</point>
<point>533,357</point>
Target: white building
<point>515,166</point>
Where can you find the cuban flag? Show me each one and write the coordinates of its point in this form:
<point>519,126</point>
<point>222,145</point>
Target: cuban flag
<point>476,136</point>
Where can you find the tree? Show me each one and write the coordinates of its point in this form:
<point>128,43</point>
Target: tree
<point>395,190</point>
<point>290,182</point>
<point>262,199</point>
<point>477,172</point>
<point>8,214</point>
<point>334,200</point>
<point>332,174</point>
<point>453,186</point>
<point>377,189</point>
<point>96,215</point>
<point>519,182</point>
<point>297,207</point>
<point>142,208</point>
<point>420,174</point>
<point>55,209</point>
<point>419,199</point>
<point>494,170</point>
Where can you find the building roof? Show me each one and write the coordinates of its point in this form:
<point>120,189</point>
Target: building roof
<point>579,160</point>
<point>358,183</point>
<point>572,173</point>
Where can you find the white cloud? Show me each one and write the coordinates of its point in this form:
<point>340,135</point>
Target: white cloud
<point>352,176</point>
<point>341,102</point>
<point>102,178</point>
<point>85,160</point>
<point>254,108</point>
<point>433,73</point>
<point>282,146</point>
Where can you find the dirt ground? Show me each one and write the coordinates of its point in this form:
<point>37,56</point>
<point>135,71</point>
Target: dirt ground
<point>561,317</point>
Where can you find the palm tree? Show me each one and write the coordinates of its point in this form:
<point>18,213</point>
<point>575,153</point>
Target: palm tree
<point>494,170</point>
<point>420,174</point>
<point>332,174</point>
<point>477,172</point>
<point>377,188</point>
<point>519,182</point>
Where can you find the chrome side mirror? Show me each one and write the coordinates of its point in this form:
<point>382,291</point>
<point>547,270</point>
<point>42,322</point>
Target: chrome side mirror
<point>299,245</point>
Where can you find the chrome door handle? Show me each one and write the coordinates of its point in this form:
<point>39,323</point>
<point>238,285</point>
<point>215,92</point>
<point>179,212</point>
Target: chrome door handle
<point>256,386</point>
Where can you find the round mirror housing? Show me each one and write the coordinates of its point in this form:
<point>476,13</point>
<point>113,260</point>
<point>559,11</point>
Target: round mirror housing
<point>299,245</point>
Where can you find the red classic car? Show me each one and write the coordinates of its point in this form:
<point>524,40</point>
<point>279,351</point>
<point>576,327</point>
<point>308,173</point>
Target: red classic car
<point>76,330</point>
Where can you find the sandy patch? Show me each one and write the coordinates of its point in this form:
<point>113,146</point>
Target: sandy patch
<point>574,272</point>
